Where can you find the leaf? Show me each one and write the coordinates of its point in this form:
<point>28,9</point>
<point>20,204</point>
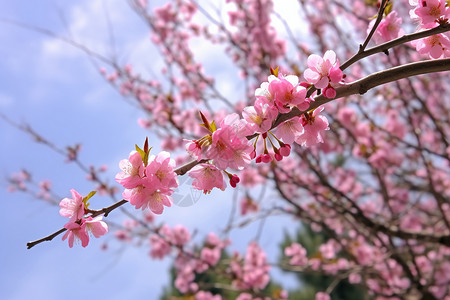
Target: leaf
<point>274,71</point>
<point>141,152</point>
<point>388,8</point>
<point>213,126</point>
<point>89,196</point>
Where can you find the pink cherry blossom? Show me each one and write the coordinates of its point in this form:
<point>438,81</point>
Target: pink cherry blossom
<point>250,177</point>
<point>234,180</point>
<point>429,11</point>
<point>206,177</point>
<point>159,248</point>
<point>244,296</point>
<point>229,148</point>
<point>388,29</point>
<point>260,116</point>
<point>297,254</point>
<point>202,295</point>
<point>289,130</point>
<point>283,92</point>
<point>80,230</point>
<point>265,158</point>
<point>288,93</point>
<point>253,271</point>
<point>72,208</point>
<point>210,255</point>
<point>96,226</point>
<point>322,72</point>
<point>285,150</point>
<point>160,171</point>
<point>248,205</point>
<point>194,148</point>
<point>436,46</point>
<point>76,232</point>
<point>180,235</point>
<point>313,127</point>
<point>322,296</point>
<point>147,196</point>
<point>263,93</point>
<point>329,249</point>
<point>154,183</point>
<point>132,171</point>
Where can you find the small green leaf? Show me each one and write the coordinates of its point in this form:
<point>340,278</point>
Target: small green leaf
<point>145,160</point>
<point>89,196</point>
<point>274,71</point>
<point>141,152</point>
<point>388,8</point>
<point>213,127</point>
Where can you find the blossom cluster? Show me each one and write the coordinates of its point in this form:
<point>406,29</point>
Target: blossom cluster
<point>148,181</point>
<point>429,14</point>
<point>78,227</point>
<point>228,146</point>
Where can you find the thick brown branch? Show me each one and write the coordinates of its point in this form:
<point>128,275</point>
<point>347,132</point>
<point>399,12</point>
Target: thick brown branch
<point>362,85</point>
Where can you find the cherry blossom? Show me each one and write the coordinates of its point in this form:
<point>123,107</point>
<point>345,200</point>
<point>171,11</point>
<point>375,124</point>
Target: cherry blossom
<point>154,189</point>
<point>289,130</point>
<point>76,232</point>
<point>79,231</point>
<point>376,187</point>
<point>436,46</point>
<point>388,29</point>
<point>72,208</point>
<point>429,11</point>
<point>96,226</point>
<point>260,116</point>
<point>160,172</point>
<point>324,72</point>
<point>313,126</point>
<point>229,147</point>
<point>202,295</point>
<point>248,205</point>
<point>206,177</point>
<point>297,254</point>
<point>282,92</point>
<point>148,197</point>
<point>132,171</point>
<point>322,296</point>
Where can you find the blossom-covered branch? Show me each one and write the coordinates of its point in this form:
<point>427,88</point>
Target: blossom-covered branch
<point>361,86</point>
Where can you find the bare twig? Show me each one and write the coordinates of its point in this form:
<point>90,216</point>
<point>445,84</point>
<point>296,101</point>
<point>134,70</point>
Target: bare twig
<point>106,210</point>
<point>396,42</point>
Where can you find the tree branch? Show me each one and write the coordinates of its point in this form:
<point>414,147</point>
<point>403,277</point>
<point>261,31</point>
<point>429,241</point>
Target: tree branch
<point>396,42</point>
<point>362,85</point>
<point>106,210</point>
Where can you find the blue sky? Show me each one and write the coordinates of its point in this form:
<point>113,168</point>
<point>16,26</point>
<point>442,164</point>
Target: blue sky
<point>55,88</point>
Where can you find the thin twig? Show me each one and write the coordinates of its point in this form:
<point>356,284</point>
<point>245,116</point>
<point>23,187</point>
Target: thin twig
<point>106,210</point>
<point>396,42</point>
